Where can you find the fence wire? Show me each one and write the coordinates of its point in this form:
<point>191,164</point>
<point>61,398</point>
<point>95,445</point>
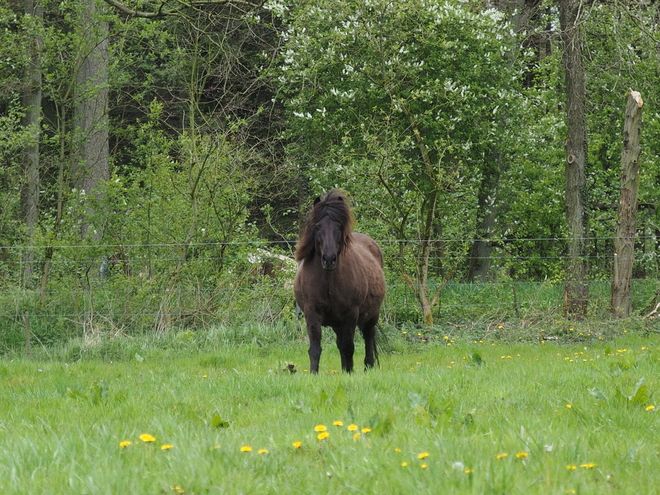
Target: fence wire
<point>72,290</point>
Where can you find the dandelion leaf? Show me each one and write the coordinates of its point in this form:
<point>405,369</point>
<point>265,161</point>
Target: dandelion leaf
<point>75,394</point>
<point>476,359</point>
<point>218,423</point>
<point>301,407</point>
<point>641,394</point>
<point>322,399</point>
<point>350,412</point>
<point>381,425</point>
<point>416,400</point>
<point>99,392</point>
<point>620,396</point>
<point>598,394</point>
<point>468,420</point>
<point>441,411</point>
<point>422,416</point>
<point>339,398</point>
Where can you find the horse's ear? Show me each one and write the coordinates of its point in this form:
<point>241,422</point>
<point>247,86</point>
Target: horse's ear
<point>317,200</point>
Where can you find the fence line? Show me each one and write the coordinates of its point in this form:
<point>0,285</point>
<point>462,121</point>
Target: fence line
<point>261,243</point>
<point>135,300</point>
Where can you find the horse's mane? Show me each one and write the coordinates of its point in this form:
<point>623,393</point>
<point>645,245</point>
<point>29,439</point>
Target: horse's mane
<point>334,205</point>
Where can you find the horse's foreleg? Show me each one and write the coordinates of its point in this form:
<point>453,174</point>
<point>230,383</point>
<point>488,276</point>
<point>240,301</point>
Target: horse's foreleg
<point>314,334</point>
<point>346,346</point>
<point>369,334</point>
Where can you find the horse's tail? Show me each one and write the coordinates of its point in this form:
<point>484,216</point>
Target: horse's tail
<point>381,344</point>
<point>299,313</point>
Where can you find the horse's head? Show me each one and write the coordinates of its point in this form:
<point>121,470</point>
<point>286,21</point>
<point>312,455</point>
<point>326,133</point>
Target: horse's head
<point>328,242</point>
<point>328,230</point>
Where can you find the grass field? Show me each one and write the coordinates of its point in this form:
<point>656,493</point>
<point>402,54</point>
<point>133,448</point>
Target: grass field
<point>447,417</point>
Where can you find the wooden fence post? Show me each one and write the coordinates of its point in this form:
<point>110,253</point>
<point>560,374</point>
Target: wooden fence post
<point>624,242</point>
<point>28,334</point>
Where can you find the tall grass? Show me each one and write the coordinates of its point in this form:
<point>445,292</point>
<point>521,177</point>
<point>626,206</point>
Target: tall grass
<point>442,416</point>
<point>119,308</point>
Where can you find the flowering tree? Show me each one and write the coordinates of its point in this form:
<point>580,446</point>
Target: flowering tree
<point>404,104</point>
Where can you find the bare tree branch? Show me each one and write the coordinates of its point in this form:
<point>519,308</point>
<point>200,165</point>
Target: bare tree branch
<point>163,10</point>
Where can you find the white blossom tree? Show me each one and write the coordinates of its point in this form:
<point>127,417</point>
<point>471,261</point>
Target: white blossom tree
<point>401,103</point>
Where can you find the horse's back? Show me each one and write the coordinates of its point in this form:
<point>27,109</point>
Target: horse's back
<point>371,245</point>
<point>369,258</point>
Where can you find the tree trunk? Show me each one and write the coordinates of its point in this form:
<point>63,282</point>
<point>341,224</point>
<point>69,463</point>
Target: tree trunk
<point>31,102</point>
<point>625,226</point>
<point>91,164</point>
<point>482,246</point>
<point>576,289</point>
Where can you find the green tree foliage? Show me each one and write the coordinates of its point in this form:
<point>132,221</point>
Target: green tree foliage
<point>405,105</point>
<point>445,120</point>
<point>622,55</point>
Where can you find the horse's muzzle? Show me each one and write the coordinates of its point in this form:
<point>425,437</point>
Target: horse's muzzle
<point>329,263</point>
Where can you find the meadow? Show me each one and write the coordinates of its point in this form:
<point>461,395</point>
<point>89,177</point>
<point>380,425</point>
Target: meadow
<point>450,415</point>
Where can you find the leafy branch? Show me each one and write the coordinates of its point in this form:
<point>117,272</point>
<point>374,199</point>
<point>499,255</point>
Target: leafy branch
<point>163,10</point>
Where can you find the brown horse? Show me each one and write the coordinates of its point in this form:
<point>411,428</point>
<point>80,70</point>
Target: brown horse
<point>340,281</point>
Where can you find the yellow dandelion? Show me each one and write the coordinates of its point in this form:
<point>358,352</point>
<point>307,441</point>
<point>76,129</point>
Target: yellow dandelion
<point>570,406</point>
<point>146,438</point>
<point>522,455</point>
<point>205,376</point>
<point>571,467</point>
<point>352,427</point>
<point>323,435</point>
<point>166,446</point>
<point>404,464</point>
<point>501,456</point>
<point>338,423</point>
<point>424,466</point>
<point>469,471</point>
<point>398,450</point>
<point>423,455</point>
<point>320,428</point>
<point>356,436</point>
<point>366,430</point>
<point>262,451</point>
<point>246,448</point>
<point>297,445</point>
<point>588,465</point>
<point>125,444</point>
<point>650,408</point>
<point>178,489</point>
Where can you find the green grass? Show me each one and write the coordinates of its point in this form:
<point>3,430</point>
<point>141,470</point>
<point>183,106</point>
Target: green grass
<point>463,403</point>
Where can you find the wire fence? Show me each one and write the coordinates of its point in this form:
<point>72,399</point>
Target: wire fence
<point>68,291</point>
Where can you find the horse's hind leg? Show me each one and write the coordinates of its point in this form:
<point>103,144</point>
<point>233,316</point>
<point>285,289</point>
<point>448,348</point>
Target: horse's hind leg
<point>346,346</point>
<point>369,334</point>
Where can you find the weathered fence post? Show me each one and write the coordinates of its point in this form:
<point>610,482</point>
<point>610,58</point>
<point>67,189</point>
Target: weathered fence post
<point>28,334</point>
<point>624,242</point>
